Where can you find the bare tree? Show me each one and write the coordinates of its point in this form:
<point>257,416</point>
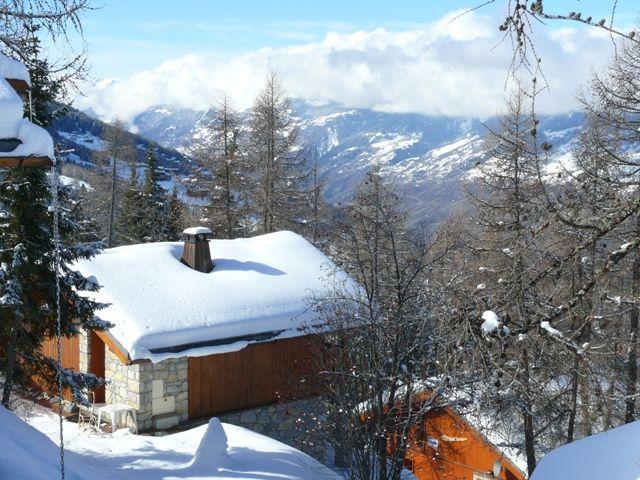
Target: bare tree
<point>380,376</point>
<point>119,149</point>
<point>54,19</point>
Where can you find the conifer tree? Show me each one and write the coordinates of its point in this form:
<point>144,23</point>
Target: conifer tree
<point>154,199</point>
<point>28,306</point>
<point>133,225</point>
<point>119,149</point>
<point>222,171</point>
<point>175,216</point>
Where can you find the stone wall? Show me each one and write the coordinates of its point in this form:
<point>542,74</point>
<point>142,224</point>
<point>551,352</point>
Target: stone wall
<point>133,385</point>
<point>292,423</point>
<point>173,373</point>
<point>85,351</point>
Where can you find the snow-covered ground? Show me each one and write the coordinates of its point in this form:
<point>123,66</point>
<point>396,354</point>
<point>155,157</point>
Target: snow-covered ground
<point>214,451</point>
<point>86,139</point>
<point>611,455</point>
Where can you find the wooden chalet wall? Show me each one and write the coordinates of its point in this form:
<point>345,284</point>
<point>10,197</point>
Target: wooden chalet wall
<point>461,451</point>
<point>70,351</point>
<point>259,374</point>
<point>70,356</point>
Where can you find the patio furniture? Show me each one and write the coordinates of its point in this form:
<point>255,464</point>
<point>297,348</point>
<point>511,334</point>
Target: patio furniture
<point>87,418</point>
<point>117,411</point>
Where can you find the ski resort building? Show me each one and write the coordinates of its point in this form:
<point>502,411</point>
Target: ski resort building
<point>205,328</point>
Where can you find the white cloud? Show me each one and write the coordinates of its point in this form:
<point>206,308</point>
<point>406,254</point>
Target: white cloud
<point>448,68</point>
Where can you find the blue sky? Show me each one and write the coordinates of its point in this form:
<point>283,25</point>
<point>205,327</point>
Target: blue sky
<point>161,29</point>
<point>400,56</point>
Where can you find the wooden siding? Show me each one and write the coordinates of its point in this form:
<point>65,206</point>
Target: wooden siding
<point>259,374</point>
<point>461,452</point>
<point>70,357</point>
<point>70,351</point>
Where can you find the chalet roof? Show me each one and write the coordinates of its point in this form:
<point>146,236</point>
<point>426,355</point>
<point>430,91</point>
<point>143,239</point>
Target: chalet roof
<point>259,290</point>
<point>20,139</point>
<point>13,70</point>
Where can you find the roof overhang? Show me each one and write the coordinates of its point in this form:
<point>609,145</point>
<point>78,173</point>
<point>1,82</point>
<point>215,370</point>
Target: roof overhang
<point>116,347</point>
<point>18,85</point>
<point>15,162</point>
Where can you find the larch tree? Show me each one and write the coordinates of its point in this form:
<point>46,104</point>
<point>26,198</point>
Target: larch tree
<point>118,153</point>
<point>222,171</point>
<point>513,264</point>
<point>280,171</point>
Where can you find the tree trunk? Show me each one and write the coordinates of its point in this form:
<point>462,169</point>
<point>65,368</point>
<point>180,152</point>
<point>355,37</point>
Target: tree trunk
<point>632,355</point>
<point>112,205</point>
<point>574,402</point>
<point>529,444</point>
<point>527,417</point>
<point>12,354</point>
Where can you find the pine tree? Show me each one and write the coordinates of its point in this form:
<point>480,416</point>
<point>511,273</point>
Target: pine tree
<point>132,224</point>
<point>175,216</point>
<point>28,313</point>
<point>153,197</point>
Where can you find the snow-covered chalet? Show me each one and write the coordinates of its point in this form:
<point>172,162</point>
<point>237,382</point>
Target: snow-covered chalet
<point>205,328</point>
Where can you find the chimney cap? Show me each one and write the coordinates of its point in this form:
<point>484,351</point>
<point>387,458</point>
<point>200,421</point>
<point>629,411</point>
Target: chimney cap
<point>197,231</point>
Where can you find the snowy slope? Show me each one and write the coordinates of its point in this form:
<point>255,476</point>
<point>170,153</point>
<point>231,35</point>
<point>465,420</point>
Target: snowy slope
<point>427,157</point>
<point>78,136</point>
<point>215,451</point>
<point>611,455</point>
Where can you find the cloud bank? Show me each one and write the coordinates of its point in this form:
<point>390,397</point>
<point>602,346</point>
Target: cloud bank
<point>455,68</point>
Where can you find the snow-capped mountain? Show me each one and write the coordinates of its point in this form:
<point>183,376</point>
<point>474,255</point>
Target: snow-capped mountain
<point>171,127</point>
<point>427,157</point>
<point>78,135</point>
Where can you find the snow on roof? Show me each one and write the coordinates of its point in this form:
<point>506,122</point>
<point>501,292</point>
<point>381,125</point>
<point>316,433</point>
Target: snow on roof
<point>35,140</point>
<point>196,230</point>
<point>217,451</point>
<point>13,69</point>
<point>10,110</point>
<point>161,308</point>
<point>613,455</point>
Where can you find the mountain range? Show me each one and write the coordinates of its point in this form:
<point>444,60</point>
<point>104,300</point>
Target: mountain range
<point>427,158</point>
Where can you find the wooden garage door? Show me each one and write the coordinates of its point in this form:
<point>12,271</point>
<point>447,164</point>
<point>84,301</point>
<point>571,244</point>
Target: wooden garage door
<point>257,375</point>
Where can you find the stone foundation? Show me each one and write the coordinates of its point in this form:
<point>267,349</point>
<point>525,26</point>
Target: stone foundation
<point>152,389</point>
